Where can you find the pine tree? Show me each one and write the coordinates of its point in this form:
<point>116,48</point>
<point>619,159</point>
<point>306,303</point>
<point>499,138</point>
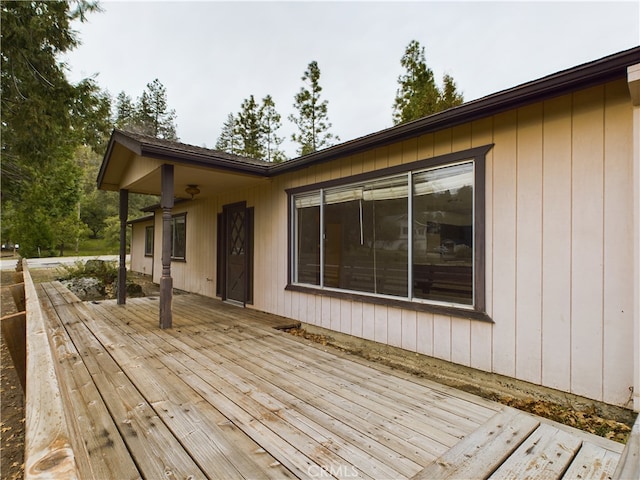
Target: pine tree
<point>312,119</point>
<point>152,115</point>
<point>449,96</point>
<point>250,129</point>
<point>44,119</point>
<point>229,140</point>
<point>418,95</point>
<point>270,125</point>
<point>124,111</point>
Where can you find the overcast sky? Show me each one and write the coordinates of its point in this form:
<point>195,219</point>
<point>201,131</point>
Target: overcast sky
<point>210,55</point>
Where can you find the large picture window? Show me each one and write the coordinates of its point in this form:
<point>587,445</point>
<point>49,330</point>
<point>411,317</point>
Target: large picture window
<point>409,234</point>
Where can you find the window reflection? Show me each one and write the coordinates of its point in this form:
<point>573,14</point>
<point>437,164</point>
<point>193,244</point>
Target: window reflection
<point>370,241</point>
<point>443,234</point>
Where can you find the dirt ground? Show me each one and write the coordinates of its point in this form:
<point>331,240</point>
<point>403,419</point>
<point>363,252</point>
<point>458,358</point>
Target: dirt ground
<point>11,400</point>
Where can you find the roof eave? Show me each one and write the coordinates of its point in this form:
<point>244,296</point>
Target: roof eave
<point>577,78</point>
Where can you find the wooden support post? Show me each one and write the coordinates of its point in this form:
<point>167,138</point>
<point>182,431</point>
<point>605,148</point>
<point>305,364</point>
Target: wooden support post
<point>166,281</point>
<point>122,270</point>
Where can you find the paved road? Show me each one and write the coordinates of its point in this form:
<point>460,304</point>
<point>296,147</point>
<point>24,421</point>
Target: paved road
<point>52,262</point>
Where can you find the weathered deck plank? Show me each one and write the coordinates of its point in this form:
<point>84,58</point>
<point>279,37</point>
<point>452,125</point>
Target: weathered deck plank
<point>153,447</point>
<point>482,452</point>
<point>101,441</point>
<point>254,398</point>
<point>224,395</point>
<point>199,426</point>
<point>546,454</point>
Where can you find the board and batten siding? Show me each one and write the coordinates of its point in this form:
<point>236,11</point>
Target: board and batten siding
<point>139,262</point>
<point>558,256</point>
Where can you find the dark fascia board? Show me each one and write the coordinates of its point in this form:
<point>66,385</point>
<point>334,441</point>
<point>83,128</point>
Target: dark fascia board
<point>583,76</point>
<point>157,206</point>
<point>141,220</point>
<point>192,158</point>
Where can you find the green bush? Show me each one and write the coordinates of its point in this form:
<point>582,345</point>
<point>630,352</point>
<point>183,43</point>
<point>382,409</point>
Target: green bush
<point>105,271</point>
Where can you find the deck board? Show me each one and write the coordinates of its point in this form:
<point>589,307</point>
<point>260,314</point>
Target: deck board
<point>224,394</point>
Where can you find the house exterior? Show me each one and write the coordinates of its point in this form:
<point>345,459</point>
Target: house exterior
<point>503,234</point>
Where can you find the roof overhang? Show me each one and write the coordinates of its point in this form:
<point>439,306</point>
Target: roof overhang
<point>133,161</point>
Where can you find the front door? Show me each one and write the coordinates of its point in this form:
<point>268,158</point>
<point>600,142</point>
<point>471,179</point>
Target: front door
<point>237,246</point>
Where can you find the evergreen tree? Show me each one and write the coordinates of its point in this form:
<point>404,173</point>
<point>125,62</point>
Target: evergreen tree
<point>270,125</point>
<point>449,96</point>
<point>152,115</point>
<point>418,95</point>
<point>312,119</point>
<point>124,111</point>
<point>45,118</point>
<point>229,140</point>
<point>249,128</point>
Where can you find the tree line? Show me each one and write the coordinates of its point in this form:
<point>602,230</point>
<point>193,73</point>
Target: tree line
<point>54,132</point>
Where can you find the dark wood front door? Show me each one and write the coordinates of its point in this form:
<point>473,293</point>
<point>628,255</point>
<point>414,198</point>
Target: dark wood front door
<point>237,252</point>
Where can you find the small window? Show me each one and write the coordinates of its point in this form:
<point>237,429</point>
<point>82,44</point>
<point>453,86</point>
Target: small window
<point>148,241</point>
<point>179,237</point>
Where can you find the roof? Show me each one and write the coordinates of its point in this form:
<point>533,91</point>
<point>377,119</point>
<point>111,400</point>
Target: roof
<point>583,76</point>
<point>148,218</point>
<point>178,152</point>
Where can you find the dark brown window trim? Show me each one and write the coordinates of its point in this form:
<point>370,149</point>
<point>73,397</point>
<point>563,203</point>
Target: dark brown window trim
<point>476,153</point>
<point>181,259</point>
<point>479,301</point>
<point>153,239</point>
<point>392,302</point>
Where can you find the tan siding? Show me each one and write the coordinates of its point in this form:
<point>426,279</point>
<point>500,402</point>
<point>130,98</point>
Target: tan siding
<point>587,243</point>
<point>381,323</point>
<point>529,244</point>
<point>504,243</point>
<point>442,337</point>
<point>394,328</point>
<point>461,341</point>
<point>481,356</point>
<point>410,150</point>
<point>409,331</point>
<point>425,333</point>
<point>556,243</point>
<point>137,169</point>
<point>425,146</point>
<point>618,250</point>
<point>139,262</point>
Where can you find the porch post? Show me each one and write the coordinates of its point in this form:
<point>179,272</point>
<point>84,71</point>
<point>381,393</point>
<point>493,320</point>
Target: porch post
<point>166,281</point>
<point>122,270</point>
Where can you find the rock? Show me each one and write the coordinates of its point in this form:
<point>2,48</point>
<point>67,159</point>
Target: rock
<point>86,288</point>
<point>134,290</point>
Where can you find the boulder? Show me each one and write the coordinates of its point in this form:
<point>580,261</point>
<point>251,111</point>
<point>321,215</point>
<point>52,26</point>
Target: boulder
<point>86,288</point>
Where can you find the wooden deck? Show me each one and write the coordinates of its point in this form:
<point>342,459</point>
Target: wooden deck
<point>224,394</point>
